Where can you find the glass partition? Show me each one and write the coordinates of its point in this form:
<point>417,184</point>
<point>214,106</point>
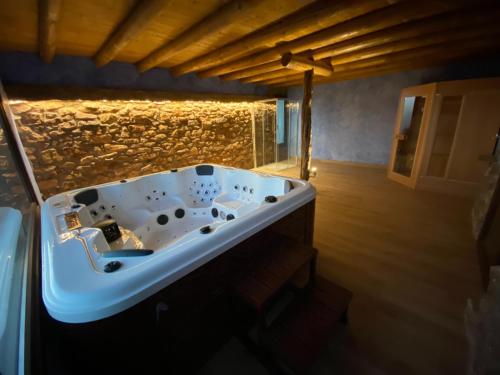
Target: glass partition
<point>17,213</point>
<point>276,134</point>
<point>409,130</point>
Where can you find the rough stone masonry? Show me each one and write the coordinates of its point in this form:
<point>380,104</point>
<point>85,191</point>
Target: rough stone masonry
<point>75,143</point>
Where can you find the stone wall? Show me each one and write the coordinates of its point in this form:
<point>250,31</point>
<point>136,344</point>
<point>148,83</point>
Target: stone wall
<point>74,143</point>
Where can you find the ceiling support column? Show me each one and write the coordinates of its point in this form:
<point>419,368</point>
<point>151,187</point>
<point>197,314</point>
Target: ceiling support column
<point>306,130</point>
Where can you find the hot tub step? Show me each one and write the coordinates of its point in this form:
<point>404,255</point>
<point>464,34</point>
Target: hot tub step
<point>299,335</point>
<point>272,271</point>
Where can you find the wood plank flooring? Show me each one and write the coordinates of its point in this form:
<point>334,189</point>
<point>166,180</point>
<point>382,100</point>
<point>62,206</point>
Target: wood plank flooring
<point>408,256</point>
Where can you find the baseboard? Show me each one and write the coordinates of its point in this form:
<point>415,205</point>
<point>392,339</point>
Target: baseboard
<point>350,163</point>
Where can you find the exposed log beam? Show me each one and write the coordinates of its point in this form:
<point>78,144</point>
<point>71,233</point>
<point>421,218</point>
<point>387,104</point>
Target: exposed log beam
<point>217,22</point>
<point>49,11</point>
<point>368,72</point>
<point>358,73</point>
<point>378,20</point>
<point>135,23</point>
<point>302,64</point>
<point>319,16</point>
<point>418,42</point>
<point>341,62</point>
<point>436,24</point>
<point>398,62</point>
<point>443,50</point>
<point>282,73</point>
<point>250,72</point>
<point>305,160</point>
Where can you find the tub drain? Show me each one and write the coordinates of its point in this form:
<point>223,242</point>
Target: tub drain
<point>271,199</point>
<point>205,230</point>
<point>112,266</point>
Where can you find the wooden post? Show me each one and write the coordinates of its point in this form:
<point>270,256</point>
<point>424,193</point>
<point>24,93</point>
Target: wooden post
<point>305,160</point>
<point>302,63</point>
<point>136,22</point>
<point>47,21</point>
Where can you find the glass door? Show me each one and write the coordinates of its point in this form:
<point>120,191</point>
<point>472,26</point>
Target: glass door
<point>407,137</point>
<point>408,134</point>
<point>18,249</point>
<point>276,134</point>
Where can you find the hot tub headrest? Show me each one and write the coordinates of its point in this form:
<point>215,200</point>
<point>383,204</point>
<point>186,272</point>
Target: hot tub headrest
<point>87,197</point>
<point>204,170</point>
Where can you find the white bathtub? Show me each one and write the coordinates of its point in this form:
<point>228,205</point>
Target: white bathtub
<point>186,217</point>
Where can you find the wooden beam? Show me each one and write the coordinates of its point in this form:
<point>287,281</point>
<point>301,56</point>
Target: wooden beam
<point>397,64</point>
<point>354,74</point>
<point>302,64</point>
<point>282,73</point>
<point>420,41</point>
<point>249,72</point>
<point>279,81</point>
<point>135,23</point>
<point>410,44</point>
<point>217,22</point>
<point>378,20</point>
<point>443,50</point>
<point>319,16</point>
<point>305,160</point>
<point>435,25</point>
<point>49,11</point>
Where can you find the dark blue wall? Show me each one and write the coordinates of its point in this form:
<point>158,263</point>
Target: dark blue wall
<point>354,120</point>
<point>27,68</point>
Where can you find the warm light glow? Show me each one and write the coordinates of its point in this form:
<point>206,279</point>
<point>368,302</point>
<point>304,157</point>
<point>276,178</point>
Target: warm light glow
<point>77,143</point>
<point>173,103</point>
<point>313,172</point>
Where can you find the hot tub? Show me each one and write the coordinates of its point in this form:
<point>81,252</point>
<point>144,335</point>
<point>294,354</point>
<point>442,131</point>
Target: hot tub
<point>168,223</point>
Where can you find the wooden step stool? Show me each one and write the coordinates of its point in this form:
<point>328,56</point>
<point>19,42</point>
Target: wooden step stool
<point>302,330</point>
<point>297,337</point>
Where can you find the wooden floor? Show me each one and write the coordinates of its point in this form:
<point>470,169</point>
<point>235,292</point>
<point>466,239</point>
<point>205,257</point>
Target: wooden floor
<point>408,258</point>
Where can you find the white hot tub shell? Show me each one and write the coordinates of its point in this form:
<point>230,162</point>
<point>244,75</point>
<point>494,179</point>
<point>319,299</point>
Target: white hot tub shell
<point>171,223</point>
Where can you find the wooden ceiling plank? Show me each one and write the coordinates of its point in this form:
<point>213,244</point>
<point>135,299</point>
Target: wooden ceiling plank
<point>341,62</point>
<point>448,49</point>
<point>319,16</point>
<point>402,62</point>
<point>249,72</point>
<point>49,12</point>
<point>214,23</point>
<point>411,43</point>
<point>405,66</point>
<point>281,80</point>
<point>135,23</point>
<point>303,64</point>
<point>282,73</point>
<point>436,24</point>
<point>375,21</point>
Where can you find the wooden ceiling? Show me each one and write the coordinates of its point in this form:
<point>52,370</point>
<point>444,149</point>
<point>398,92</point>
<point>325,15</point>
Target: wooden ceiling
<point>266,42</point>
